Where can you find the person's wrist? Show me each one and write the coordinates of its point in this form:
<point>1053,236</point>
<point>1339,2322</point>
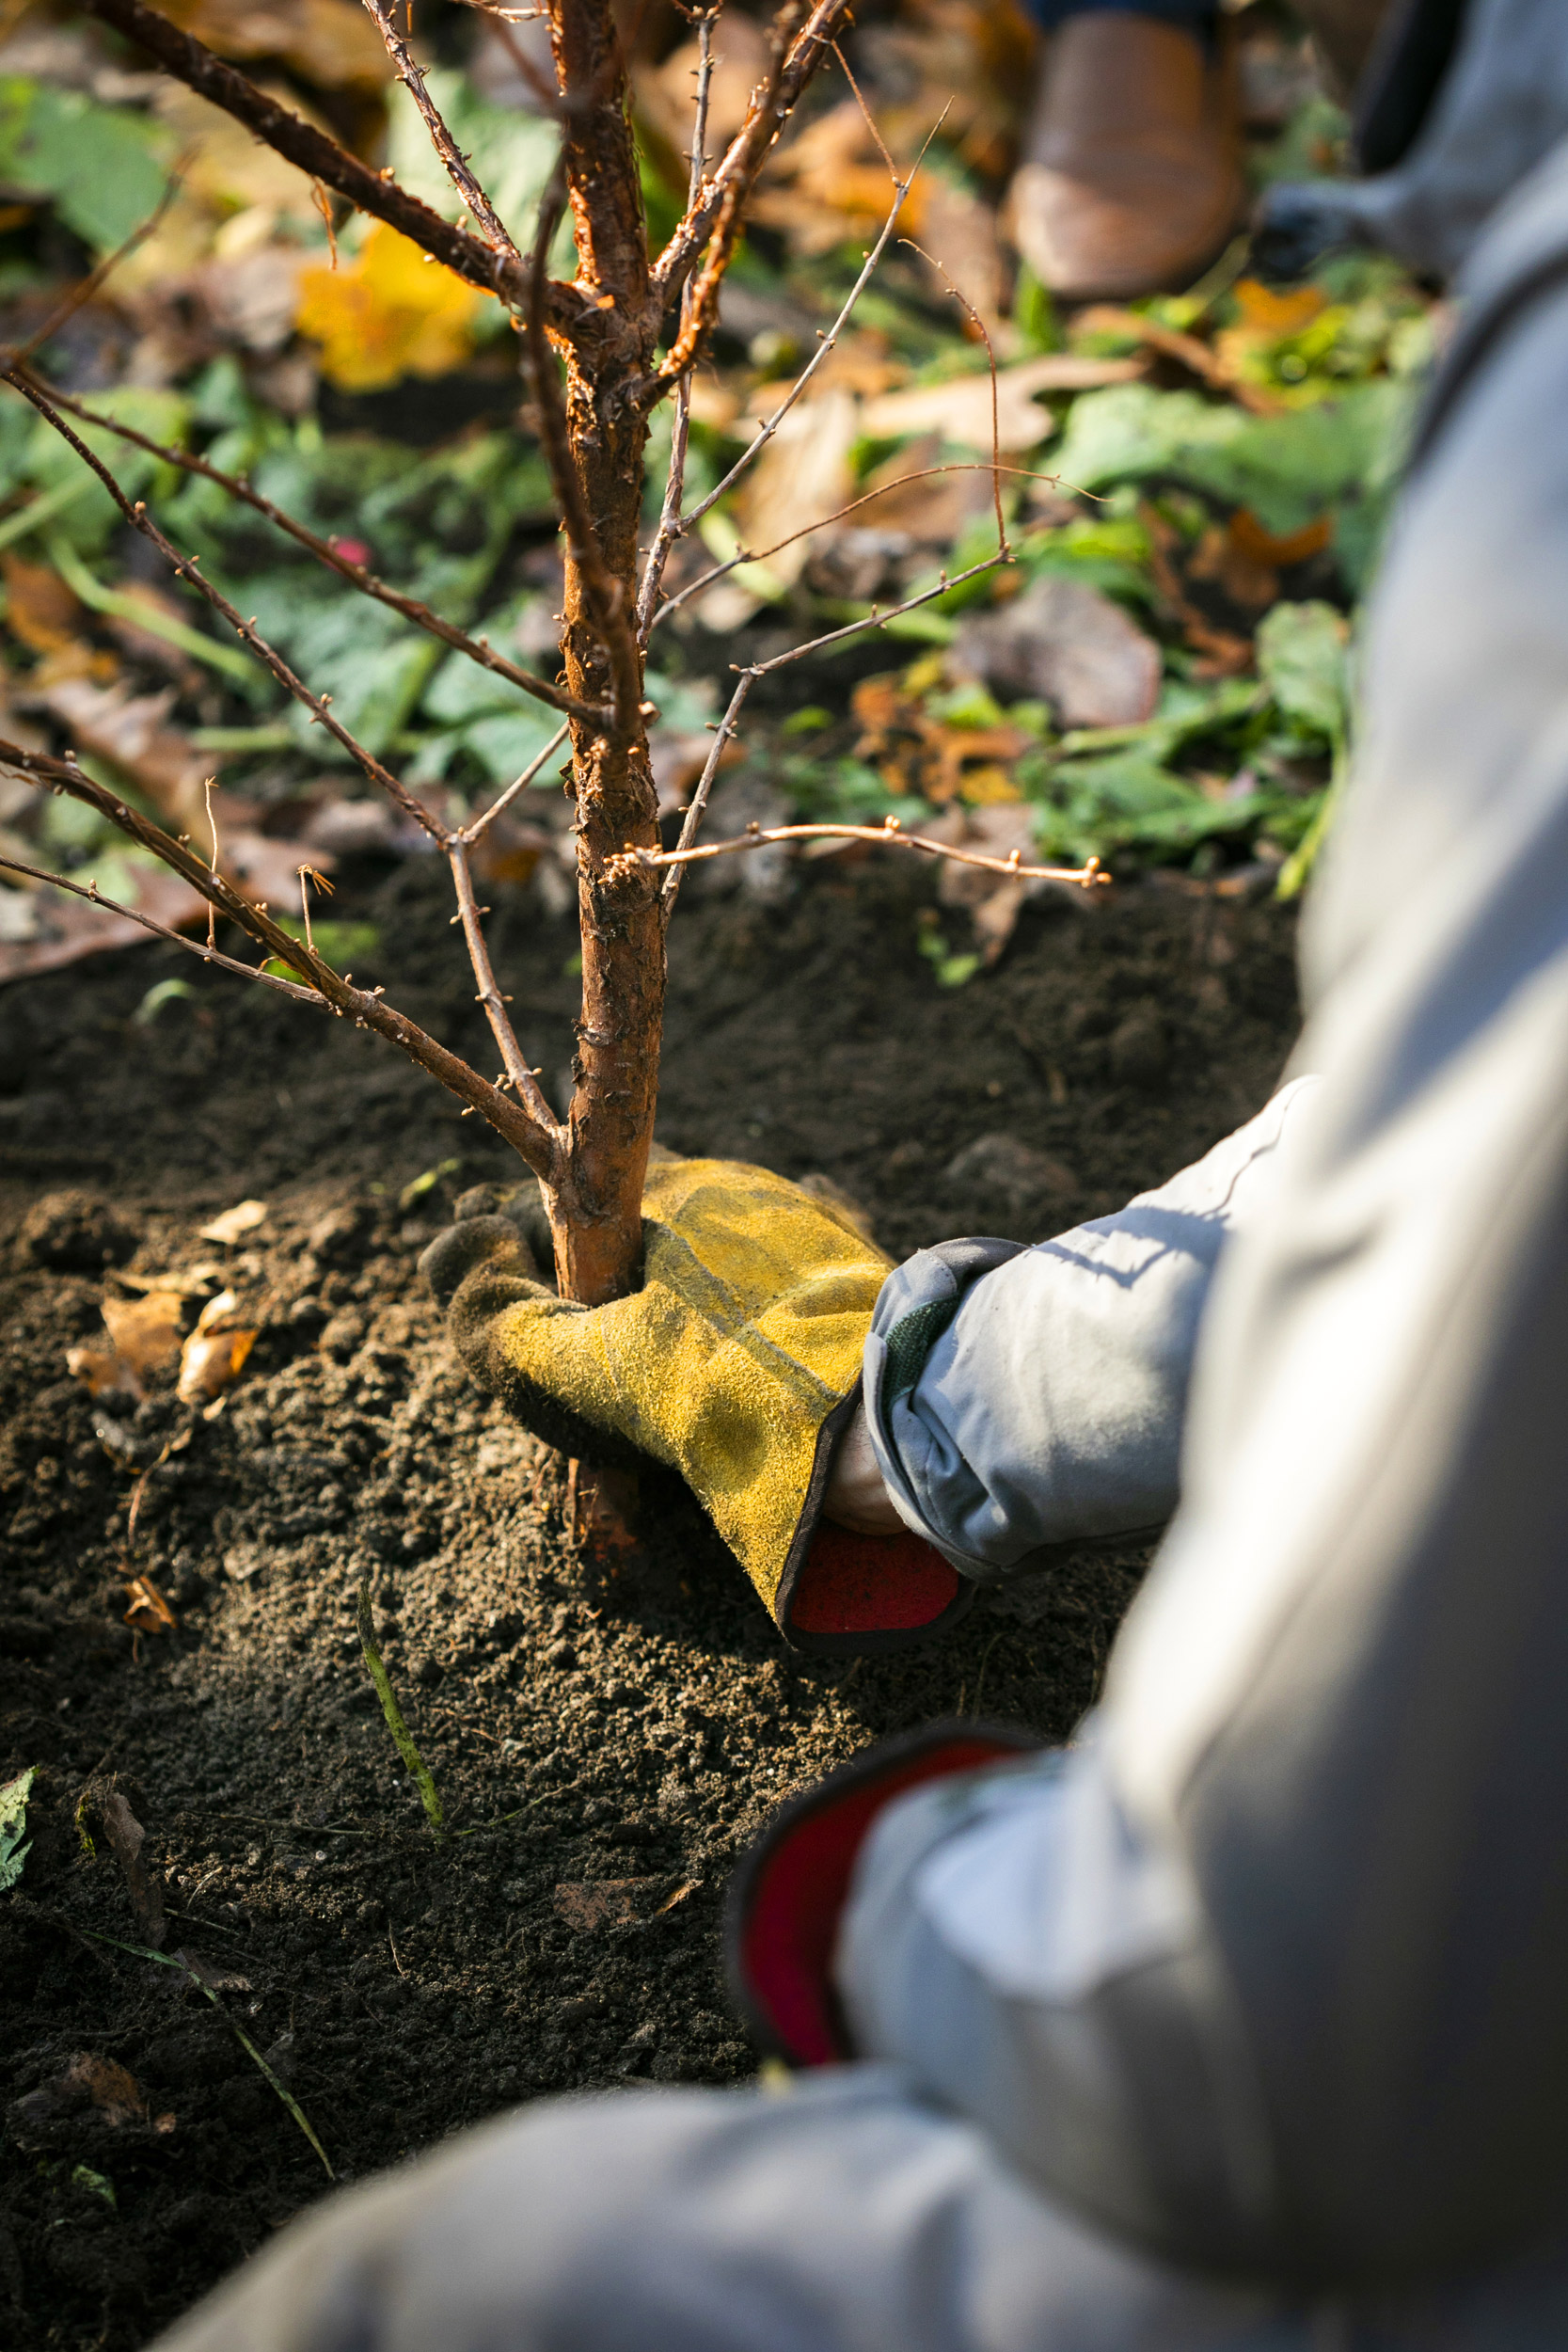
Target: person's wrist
<point>857,1495</point>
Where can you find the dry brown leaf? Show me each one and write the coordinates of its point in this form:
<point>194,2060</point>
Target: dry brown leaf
<point>331,43</point>
<point>40,611</point>
<point>802,476</point>
<point>932,509</point>
<point>126,1837</point>
<point>214,1353</point>
<point>960,410</point>
<point>92,2088</point>
<point>1066,644</point>
<point>149,1612</point>
<point>128,730</point>
<point>65,929</point>
<point>145,1332</point>
<point>243,1218</point>
<point>666,93</point>
<point>266,868</point>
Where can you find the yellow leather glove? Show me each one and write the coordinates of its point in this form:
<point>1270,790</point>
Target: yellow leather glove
<point>738,1363</point>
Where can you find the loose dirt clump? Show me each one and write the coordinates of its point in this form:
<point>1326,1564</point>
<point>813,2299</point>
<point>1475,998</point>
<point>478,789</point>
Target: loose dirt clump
<point>603,1740</point>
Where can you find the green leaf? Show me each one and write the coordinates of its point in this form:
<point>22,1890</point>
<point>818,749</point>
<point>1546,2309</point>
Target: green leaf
<point>101,165</point>
<point>513,156</point>
<point>1303,659</point>
<point>1289,469</point>
<point>13,1827</point>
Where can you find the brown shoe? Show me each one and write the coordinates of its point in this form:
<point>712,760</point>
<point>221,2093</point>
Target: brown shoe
<point>1131,177</point>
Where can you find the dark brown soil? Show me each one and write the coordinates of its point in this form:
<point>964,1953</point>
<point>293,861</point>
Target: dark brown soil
<point>620,1736</point>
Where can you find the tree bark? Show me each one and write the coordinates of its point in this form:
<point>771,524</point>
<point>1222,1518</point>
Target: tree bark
<point>597,1214</point>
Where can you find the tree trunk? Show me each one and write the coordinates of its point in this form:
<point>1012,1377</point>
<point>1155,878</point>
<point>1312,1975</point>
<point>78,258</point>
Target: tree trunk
<point>597,1211</point>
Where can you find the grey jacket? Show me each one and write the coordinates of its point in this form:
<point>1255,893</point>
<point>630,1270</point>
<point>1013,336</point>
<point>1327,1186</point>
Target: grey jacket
<point>1267,1973</point>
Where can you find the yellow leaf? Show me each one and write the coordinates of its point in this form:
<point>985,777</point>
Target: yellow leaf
<point>1276,314</point>
<point>388,313</point>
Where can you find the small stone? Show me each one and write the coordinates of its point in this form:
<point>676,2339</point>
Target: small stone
<point>1008,1169</point>
<point>1140,1048</point>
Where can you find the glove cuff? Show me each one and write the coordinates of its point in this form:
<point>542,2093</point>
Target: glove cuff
<point>786,1896</point>
<point>844,1595</point>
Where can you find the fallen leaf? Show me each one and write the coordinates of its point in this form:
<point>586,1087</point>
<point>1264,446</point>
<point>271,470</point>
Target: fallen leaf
<point>243,1218</point>
<point>960,410</point>
<point>65,929</point>
<point>13,1827</point>
<point>386,314</point>
<point>145,1332</point>
<point>92,2088</point>
<point>1063,642</point>
<point>126,1837</point>
<point>802,476</point>
<point>149,1612</point>
<point>128,730</point>
<point>329,42</point>
<point>40,609</point>
<point>214,1353</point>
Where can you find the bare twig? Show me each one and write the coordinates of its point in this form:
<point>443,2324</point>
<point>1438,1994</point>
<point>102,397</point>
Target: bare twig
<point>207,953</point>
<point>358,575</point>
<point>867,497</point>
<point>539,1144</point>
<point>876,619</point>
<point>771,426</point>
<point>471,831</point>
<point>981,329</point>
<point>674,485</point>
<point>523,1079</point>
<point>84,293</point>
<point>890,834</point>
<point>698,803</point>
<point>747,153</point>
<point>322,158</point>
<point>185,568</point>
<point>453,160</point>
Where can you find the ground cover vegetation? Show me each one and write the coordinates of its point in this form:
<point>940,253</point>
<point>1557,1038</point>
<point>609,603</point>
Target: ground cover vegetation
<point>256,1521</point>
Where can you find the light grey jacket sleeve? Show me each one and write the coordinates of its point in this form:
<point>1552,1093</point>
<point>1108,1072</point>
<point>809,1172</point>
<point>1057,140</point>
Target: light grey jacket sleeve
<point>1267,1973</point>
<point>1020,1399</point>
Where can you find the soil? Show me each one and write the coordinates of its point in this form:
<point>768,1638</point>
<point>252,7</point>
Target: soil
<point>604,1742</point>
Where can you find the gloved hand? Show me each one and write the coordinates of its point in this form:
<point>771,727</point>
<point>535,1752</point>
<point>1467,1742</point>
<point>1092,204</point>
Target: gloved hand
<point>738,1363</point>
<point>786,1896</point>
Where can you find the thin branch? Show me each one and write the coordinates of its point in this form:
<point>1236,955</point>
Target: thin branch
<point>771,426</point>
<point>890,834</point>
<point>878,619</point>
<point>89,285</point>
<point>541,1145</point>
<point>185,568</point>
<point>675,485</point>
<point>452,159</point>
<point>358,575</point>
<point>322,158</point>
<point>471,832</point>
<point>206,951</point>
<point>983,332</point>
<point>867,497</point>
<point>603,592</point>
<point>748,150</point>
<point>699,799</point>
<point>523,1079</point>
